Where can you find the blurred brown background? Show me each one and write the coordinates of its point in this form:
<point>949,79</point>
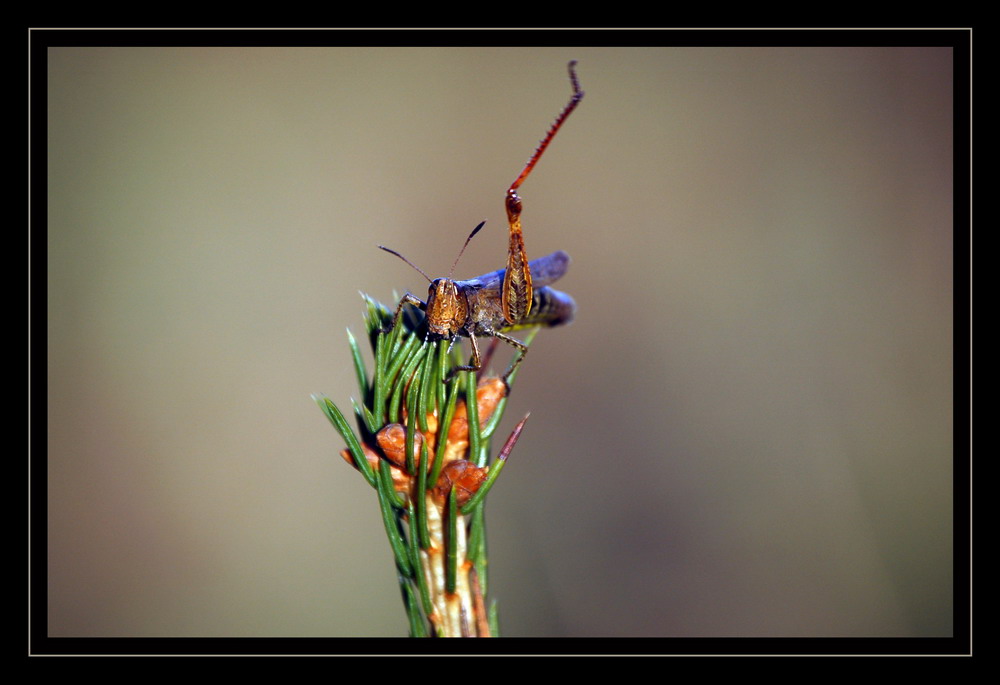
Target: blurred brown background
<point>746,432</point>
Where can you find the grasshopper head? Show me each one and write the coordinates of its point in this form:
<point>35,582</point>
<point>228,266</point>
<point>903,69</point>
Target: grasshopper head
<point>447,309</point>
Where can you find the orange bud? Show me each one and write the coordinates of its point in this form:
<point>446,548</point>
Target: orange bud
<point>369,455</point>
<point>489,392</point>
<point>392,440</point>
<point>432,426</point>
<point>462,475</point>
<point>400,480</point>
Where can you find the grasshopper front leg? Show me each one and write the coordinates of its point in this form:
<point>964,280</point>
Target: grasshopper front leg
<point>408,298</point>
<point>477,361</point>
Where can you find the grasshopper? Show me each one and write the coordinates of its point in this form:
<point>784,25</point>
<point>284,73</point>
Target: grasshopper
<point>507,299</point>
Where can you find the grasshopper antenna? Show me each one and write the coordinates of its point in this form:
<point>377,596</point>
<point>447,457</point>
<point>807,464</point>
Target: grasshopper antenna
<point>391,251</point>
<point>429,279</point>
<point>467,240</point>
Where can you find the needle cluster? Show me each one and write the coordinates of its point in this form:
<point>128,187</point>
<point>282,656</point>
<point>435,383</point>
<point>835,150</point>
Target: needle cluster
<point>424,430</point>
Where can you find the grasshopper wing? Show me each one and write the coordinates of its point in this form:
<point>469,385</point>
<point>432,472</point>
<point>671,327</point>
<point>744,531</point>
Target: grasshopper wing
<point>548,269</point>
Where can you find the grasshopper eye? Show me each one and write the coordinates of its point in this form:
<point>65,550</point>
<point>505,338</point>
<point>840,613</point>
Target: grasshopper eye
<point>442,287</point>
